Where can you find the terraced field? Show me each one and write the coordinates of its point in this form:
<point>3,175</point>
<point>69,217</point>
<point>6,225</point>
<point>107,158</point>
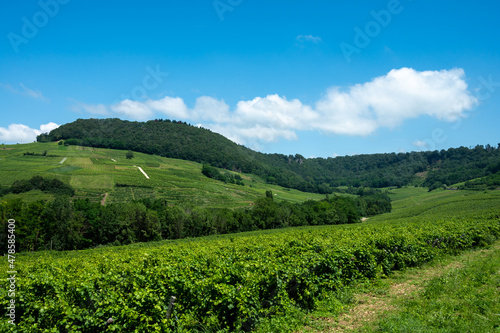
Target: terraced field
<point>95,172</point>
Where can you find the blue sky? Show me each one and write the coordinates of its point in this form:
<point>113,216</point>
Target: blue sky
<point>316,78</point>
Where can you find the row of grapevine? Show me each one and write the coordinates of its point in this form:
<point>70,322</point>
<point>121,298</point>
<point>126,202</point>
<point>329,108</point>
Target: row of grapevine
<point>231,282</point>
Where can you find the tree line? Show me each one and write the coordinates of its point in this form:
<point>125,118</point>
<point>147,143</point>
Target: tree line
<point>69,224</point>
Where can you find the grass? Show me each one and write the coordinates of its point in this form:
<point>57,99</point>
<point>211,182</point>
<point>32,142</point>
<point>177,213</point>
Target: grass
<point>463,299</point>
<point>449,294</point>
<point>94,172</point>
<point>30,196</point>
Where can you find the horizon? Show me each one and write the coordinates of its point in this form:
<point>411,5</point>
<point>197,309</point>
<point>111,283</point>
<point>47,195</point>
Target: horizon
<point>315,79</point>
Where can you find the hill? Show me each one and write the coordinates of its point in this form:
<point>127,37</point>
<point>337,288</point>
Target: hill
<point>183,141</point>
<point>106,175</point>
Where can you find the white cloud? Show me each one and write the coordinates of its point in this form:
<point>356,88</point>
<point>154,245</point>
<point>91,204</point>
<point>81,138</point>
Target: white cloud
<point>358,110</point>
<point>210,109</point>
<point>388,100</point>
<point>250,135</point>
<point>37,94</point>
<point>171,106</point>
<point>19,133</point>
<point>308,38</point>
<point>25,91</point>
<point>274,111</point>
<point>420,144</point>
<point>133,109</point>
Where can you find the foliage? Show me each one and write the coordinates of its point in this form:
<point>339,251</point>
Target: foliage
<point>235,282</point>
<point>67,225</point>
<point>226,177</point>
<point>54,186</point>
<point>489,182</point>
<point>129,155</point>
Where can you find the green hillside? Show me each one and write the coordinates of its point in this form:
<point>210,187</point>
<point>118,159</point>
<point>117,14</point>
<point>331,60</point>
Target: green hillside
<point>75,197</point>
<point>174,139</point>
<point>96,173</point>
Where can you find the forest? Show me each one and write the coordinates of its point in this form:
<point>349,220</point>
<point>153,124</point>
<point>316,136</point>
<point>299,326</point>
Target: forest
<point>177,139</point>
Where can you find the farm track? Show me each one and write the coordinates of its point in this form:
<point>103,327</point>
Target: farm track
<point>370,307</point>
<point>103,201</point>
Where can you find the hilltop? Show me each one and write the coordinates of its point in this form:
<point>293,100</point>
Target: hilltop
<point>180,140</point>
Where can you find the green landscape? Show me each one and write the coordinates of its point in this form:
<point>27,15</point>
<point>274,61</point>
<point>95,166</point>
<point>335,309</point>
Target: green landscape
<point>128,240</point>
<point>93,172</point>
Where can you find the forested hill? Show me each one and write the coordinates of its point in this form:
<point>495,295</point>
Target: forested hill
<point>180,140</point>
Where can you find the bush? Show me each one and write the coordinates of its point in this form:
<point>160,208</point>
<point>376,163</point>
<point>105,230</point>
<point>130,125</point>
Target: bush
<point>54,186</point>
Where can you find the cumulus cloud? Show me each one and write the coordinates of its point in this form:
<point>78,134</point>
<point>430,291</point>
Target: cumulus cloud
<point>133,109</point>
<point>19,133</point>
<point>358,110</point>
<point>308,38</point>
<point>25,91</point>
<point>388,100</point>
<point>173,107</point>
<point>252,134</point>
<point>210,109</point>
<point>420,144</point>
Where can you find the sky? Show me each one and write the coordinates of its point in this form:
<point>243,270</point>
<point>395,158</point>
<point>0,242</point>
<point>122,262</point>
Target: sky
<point>317,78</point>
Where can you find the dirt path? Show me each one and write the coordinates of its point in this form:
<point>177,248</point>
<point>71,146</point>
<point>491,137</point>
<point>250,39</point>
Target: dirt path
<point>370,307</point>
<point>103,201</point>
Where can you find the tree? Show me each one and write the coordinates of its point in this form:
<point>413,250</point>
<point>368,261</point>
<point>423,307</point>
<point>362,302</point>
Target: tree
<point>269,194</point>
<point>129,155</point>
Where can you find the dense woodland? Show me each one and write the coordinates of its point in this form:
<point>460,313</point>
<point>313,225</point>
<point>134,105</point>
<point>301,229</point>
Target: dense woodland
<point>67,224</point>
<point>180,140</point>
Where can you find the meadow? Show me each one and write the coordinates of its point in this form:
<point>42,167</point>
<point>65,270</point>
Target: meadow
<point>255,281</point>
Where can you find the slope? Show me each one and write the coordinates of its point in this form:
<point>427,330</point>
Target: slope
<point>180,140</point>
<point>96,173</point>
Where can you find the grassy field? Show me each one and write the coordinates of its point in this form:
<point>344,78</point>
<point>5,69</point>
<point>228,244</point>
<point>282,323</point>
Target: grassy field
<point>95,172</point>
<point>464,298</point>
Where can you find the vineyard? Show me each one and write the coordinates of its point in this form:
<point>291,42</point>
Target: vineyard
<point>238,282</point>
<point>93,172</point>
